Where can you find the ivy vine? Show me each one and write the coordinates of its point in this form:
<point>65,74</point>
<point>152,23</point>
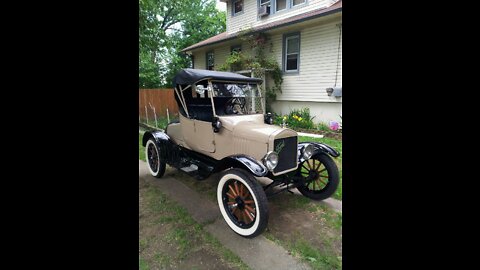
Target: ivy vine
<point>259,62</point>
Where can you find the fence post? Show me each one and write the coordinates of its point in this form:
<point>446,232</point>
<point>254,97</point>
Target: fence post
<point>146,113</point>
<point>168,117</point>
<point>155,114</point>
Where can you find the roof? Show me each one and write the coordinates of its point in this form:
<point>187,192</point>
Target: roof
<point>191,76</point>
<point>337,7</point>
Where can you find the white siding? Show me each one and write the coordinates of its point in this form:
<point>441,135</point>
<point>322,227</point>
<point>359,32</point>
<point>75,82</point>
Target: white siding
<point>249,17</point>
<point>242,21</point>
<point>200,59</point>
<point>323,111</point>
<point>221,54</point>
<point>318,61</point>
<point>318,64</point>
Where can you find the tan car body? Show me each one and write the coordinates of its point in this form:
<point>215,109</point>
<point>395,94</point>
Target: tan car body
<point>239,134</point>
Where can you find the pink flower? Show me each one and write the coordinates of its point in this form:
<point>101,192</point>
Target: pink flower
<point>334,125</point>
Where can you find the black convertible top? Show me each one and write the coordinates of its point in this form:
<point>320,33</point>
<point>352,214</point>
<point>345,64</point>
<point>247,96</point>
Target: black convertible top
<point>191,76</point>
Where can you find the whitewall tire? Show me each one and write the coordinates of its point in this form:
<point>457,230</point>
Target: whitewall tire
<point>242,202</point>
<point>154,162</point>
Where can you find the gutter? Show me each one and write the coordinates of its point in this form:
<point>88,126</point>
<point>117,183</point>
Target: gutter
<point>260,29</point>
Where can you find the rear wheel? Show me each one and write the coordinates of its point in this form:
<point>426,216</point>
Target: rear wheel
<point>242,202</point>
<point>155,164</point>
<point>319,176</point>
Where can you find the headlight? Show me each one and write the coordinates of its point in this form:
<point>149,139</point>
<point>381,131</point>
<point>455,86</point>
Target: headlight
<point>270,160</point>
<point>307,151</point>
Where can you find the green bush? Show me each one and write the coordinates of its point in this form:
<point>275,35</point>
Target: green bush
<point>323,127</point>
<point>297,119</point>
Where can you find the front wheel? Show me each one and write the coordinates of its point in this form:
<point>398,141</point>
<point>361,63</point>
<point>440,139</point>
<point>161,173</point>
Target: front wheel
<point>242,202</point>
<point>319,177</point>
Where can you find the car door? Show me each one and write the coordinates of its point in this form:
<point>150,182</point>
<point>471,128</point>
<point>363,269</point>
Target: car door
<point>197,131</point>
<point>204,137</point>
<point>197,134</point>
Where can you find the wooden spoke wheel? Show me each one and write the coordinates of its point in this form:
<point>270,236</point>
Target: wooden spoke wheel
<point>242,202</point>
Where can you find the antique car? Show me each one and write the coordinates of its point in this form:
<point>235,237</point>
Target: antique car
<point>223,128</point>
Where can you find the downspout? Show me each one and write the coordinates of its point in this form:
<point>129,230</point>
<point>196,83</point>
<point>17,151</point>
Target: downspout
<point>338,51</point>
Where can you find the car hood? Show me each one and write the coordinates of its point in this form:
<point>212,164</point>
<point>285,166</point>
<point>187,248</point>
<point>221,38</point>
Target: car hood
<point>252,127</point>
<point>255,132</point>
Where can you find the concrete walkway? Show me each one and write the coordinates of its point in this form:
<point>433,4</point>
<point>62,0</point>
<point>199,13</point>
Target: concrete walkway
<point>258,253</point>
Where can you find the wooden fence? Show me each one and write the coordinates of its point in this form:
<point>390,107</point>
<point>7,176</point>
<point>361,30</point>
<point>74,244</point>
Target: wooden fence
<point>160,99</point>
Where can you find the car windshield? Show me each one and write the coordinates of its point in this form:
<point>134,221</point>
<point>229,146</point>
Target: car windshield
<point>238,98</point>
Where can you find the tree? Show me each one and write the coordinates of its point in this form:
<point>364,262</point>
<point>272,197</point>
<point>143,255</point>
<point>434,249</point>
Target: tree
<point>165,28</point>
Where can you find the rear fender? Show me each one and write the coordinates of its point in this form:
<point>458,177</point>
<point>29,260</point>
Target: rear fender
<point>163,141</point>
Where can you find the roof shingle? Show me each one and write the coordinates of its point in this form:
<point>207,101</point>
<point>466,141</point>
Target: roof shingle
<point>294,19</point>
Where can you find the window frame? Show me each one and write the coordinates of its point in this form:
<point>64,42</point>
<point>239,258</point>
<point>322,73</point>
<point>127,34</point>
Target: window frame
<point>206,60</point>
<point>238,46</point>
<point>292,5</point>
<point>270,2</point>
<point>273,6</point>
<point>233,8</point>
<point>286,6</point>
<point>284,53</point>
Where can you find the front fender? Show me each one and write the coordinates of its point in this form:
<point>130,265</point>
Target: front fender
<point>318,148</point>
<point>243,161</point>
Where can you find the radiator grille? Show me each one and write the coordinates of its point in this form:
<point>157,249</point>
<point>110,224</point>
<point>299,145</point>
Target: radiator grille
<point>286,149</point>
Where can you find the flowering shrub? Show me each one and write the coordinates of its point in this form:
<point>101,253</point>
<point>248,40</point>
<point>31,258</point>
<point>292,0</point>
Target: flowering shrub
<point>297,119</point>
<point>334,125</point>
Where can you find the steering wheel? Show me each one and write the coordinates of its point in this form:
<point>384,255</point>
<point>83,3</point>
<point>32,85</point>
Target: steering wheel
<point>231,108</point>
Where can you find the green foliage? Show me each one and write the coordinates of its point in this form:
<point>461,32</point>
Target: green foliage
<point>165,28</point>
<point>258,62</point>
<point>323,127</point>
<point>297,119</point>
<point>234,62</point>
<point>149,72</point>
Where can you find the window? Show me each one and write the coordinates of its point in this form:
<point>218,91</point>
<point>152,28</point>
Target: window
<point>281,5</point>
<point>291,53</point>
<point>267,4</point>
<point>237,7</point>
<point>193,60</point>
<point>236,48</point>
<point>297,2</point>
<point>210,60</point>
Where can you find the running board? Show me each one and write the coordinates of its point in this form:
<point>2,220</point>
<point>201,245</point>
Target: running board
<point>198,172</point>
<point>190,169</point>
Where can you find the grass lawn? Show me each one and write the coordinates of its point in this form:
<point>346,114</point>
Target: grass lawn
<point>141,148</point>
<point>170,239</point>
<point>161,122</point>
<point>320,247</point>
<point>307,229</point>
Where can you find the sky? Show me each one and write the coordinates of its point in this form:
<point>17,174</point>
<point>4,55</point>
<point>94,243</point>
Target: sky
<point>221,5</point>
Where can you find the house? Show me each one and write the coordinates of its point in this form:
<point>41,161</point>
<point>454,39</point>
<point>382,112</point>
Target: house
<point>306,40</point>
